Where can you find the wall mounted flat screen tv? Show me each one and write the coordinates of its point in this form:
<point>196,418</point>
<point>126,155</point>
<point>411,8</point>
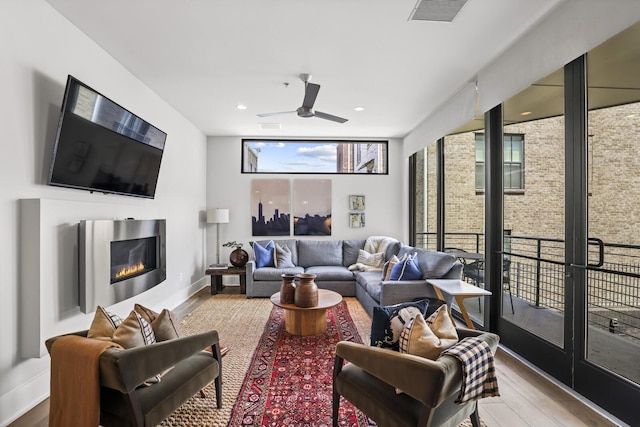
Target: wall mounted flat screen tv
<point>100,146</point>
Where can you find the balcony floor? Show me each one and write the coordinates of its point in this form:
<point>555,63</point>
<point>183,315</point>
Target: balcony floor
<point>612,351</point>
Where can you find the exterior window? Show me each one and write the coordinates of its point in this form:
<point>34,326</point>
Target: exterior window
<point>513,161</point>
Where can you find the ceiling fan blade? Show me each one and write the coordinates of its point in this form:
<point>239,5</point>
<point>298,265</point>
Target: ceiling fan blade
<point>310,94</point>
<point>331,117</point>
<point>274,114</point>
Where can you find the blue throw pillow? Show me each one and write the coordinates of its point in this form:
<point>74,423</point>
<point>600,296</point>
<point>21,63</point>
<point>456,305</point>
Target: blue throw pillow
<point>264,254</point>
<point>388,322</point>
<point>407,269</point>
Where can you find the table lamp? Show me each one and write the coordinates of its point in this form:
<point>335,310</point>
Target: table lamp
<point>218,216</point>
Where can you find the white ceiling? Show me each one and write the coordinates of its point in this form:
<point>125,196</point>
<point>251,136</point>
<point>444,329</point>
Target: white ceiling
<point>206,56</point>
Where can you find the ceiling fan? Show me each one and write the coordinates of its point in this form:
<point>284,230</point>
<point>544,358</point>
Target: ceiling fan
<point>306,110</point>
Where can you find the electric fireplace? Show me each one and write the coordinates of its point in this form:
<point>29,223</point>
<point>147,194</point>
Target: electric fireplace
<point>119,259</point>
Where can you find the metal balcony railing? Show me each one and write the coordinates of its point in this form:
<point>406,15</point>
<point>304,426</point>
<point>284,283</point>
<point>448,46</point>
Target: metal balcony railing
<point>537,275</point>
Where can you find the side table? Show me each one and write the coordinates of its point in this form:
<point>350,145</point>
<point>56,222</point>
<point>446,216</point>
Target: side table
<point>308,320</point>
<point>459,290</point>
<point>216,278</point>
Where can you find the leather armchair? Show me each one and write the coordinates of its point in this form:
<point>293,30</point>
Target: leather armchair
<point>123,399</point>
<point>430,387</point>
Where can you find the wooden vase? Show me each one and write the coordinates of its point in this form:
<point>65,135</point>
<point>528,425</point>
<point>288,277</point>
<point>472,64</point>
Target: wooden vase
<point>238,257</point>
<point>287,289</point>
<point>306,294</point>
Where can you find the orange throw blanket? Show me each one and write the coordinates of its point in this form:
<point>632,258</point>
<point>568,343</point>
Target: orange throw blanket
<point>75,381</point>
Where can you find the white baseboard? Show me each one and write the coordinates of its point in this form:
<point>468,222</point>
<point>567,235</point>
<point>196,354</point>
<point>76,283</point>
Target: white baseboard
<point>23,398</point>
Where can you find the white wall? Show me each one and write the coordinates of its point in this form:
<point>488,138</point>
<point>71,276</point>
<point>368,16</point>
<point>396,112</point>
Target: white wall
<point>385,196</point>
<point>39,49</point>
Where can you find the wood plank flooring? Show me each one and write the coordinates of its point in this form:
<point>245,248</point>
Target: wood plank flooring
<point>527,397</point>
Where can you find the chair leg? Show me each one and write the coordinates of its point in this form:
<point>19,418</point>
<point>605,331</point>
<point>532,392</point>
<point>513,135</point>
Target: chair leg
<point>218,386</point>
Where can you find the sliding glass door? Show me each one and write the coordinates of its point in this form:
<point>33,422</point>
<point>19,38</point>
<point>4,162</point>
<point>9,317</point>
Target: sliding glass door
<point>560,220</point>
<point>610,335</point>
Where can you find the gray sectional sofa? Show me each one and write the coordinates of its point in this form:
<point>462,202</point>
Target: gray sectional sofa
<point>330,260</point>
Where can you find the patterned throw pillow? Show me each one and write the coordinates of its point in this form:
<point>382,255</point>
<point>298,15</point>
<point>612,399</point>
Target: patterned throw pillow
<point>389,321</point>
<point>407,269</point>
<point>103,325</point>
<point>264,255</point>
<point>146,313</point>
<point>283,257</point>
<point>165,324</point>
<point>428,338</point>
<point>388,266</point>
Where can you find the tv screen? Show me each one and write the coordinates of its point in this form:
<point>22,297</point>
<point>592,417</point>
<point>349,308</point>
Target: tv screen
<point>103,147</point>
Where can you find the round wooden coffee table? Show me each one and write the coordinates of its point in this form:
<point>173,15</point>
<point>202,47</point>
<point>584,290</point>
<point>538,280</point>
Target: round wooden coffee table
<point>311,320</point>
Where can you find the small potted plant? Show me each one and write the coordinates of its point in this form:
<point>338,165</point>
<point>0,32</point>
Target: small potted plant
<point>238,256</point>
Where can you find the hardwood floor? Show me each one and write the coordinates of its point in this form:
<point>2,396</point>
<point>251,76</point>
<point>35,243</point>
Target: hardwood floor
<point>528,398</point>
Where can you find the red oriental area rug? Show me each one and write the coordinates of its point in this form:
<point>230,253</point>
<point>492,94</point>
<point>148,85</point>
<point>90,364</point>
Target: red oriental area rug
<point>289,382</point>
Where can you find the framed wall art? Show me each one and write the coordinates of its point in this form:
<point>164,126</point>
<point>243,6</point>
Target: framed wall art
<point>356,219</point>
<point>312,207</point>
<point>356,203</point>
<point>270,207</point>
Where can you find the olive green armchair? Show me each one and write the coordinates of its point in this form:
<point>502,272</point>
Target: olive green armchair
<point>430,387</point>
<point>125,401</point>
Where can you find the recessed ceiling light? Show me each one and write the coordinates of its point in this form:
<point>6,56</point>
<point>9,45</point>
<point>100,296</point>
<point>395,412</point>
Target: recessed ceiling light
<point>359,108</point>
<point>526,113</point>
<point>631,116</point>
<point>241,107</point>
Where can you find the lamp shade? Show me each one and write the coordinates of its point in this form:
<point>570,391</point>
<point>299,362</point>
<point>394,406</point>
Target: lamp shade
<point>218,216</point>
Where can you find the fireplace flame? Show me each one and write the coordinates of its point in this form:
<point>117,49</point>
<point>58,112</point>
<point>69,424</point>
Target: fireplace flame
<point>130,270</point>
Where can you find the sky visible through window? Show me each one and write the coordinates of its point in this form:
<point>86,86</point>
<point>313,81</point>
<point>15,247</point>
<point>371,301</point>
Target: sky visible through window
<point>310,157</point>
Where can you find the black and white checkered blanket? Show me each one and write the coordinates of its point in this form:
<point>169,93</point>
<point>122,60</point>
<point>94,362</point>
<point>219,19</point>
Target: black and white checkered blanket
<point>478,370</point>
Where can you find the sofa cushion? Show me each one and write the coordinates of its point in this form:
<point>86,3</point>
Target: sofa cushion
<point>283,256</point>
<point>292,244</point>
<point>389,321</point>
<point>433,265</point>
<point>330,273</point>
<point>406,269</point>
<point>319,252</point>
<point>370,281</point>
<point>350,250</point>
<point>392,249</point>
<point>275,274</point>
<point>264,254</point>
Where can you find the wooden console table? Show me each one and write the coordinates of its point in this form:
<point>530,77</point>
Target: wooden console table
<point>216,278</point>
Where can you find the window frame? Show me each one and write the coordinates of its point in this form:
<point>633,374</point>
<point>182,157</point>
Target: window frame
<point>507,165</point>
